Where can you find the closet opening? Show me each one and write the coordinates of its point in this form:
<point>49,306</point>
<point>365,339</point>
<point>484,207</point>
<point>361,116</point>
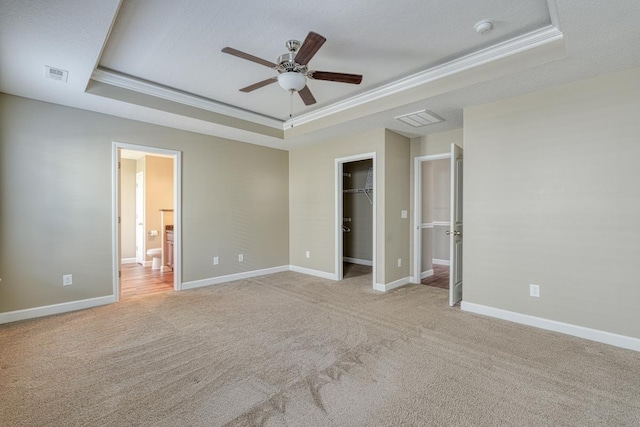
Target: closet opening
<point>434,222</point>
<point>355,217</point>
<point>438,221</point>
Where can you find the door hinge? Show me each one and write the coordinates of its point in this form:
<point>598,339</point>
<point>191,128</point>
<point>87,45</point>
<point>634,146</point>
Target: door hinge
<point>118,220</point>
<point>118,165</point>
<point>119,274</point>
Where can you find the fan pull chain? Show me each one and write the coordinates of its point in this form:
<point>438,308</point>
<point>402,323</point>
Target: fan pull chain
<point>291,104</point>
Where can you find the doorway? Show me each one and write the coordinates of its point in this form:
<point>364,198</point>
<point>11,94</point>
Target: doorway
<point>438,221</point>
<point>147,212</point>
<point>356,216</point>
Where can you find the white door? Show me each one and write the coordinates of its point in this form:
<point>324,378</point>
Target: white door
<point>140,218</point>
<point>455,234</point>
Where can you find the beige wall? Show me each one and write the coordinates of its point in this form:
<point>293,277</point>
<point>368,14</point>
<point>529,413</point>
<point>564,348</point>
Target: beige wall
<point>312,198</point>
<point>552,197</point>
<point>397,229</point>
<point>158,194</point>
<point>128,208</point>
<point>56,210</point>
<point>312,201</point>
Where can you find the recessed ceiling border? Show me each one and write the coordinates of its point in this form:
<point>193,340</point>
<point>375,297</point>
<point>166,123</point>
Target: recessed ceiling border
<point>131,83</point>
<point>531,40</point>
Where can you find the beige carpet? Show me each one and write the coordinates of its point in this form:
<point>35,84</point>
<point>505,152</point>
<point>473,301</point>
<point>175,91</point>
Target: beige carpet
<point>289,349</point>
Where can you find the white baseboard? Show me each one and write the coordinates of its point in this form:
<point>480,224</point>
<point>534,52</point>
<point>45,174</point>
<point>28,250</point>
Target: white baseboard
<point>357,261</point>
<point>128,261</point>
<point>47,310</point>
<point>426,274</point>
<point>147,264</point>
<point>231,277</point>
<point>440,261</point>
<point>310,272</point>
<point>392,285</point>
<point>552,325</point>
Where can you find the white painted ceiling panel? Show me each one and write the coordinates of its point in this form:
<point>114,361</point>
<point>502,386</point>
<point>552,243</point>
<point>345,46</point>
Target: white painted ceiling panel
<point>178,43</point>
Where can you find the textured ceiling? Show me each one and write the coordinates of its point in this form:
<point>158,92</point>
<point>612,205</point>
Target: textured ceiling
<point>177,44</point>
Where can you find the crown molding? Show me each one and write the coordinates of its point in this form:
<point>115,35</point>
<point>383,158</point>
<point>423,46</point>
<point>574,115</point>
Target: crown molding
<point>502,50</point>
<point>152,89</point>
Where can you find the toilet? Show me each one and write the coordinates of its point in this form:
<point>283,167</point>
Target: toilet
<point>156,254</point>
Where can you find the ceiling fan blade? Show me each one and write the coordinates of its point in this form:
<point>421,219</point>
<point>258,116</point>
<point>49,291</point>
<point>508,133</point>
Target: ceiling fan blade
<point>307,96</point>
<point>336,77</point>
<point>310,47</point>
<point>259,85</point>
<point>243,55</point>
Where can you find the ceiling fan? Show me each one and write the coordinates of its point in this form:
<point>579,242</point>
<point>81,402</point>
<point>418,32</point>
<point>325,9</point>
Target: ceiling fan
<point>292,68</point>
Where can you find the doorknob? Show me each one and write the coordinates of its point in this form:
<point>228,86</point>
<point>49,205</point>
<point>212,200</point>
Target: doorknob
<point>455,233</point>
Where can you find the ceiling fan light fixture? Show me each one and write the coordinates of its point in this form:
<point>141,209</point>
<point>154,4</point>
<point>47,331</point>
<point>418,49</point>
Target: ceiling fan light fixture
<point>292,81</point>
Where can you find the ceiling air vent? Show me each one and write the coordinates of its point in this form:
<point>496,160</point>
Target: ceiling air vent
<point>55,73</point>
<point>420,118</point>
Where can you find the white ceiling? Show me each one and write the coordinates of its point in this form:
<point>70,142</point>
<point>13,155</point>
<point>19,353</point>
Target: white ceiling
<point>153,57</point>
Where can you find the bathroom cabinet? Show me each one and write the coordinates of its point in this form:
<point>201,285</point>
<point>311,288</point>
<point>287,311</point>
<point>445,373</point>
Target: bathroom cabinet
<point>169,249</point>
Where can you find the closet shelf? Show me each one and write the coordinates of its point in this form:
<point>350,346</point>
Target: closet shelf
<point>356,190</point>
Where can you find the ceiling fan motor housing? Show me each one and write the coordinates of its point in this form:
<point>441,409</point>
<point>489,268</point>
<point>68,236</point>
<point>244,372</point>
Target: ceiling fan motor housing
<point>287,63</point>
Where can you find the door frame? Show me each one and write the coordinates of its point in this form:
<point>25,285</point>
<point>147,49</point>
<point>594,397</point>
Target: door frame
<point>177,214</point>
<point>339,241</point>
<point>417,210</point>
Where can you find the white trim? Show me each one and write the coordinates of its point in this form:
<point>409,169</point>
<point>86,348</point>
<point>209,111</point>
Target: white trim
<point>537,38</point>
<point>553,14</point>
<point>177,211</point>
<point>437,261</point>
<point>47,310</point>
<point>441,223</point>
<point>152,89</point>
<point>339,255</point>
<point>523,43</point>
<point>231,277</point>
<point>311,272</point>
<point>128,261</point>
<point>357,261</point>
<point>610,338</point>
<point>392,285</point>
<point>417,208</point>
<point>435,224</point>
<point>426,274</point>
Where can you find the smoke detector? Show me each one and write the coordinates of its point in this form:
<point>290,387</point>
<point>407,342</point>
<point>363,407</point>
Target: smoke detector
<point>483,26</point>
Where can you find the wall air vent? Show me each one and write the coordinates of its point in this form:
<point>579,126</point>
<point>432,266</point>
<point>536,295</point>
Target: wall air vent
<point>55,74</point>
<point>420,118</point>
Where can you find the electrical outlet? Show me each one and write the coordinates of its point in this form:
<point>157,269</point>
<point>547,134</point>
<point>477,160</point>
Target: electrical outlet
<point>534,290</point>
<point>308,254</point>
<point>399,262</point>
<point>67,280</point>
<point>216,260</point>
<point>241,257</point>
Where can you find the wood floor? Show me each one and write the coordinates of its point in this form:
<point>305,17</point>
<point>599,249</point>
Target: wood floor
<point>440,278</point>
<point>138,281</point>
